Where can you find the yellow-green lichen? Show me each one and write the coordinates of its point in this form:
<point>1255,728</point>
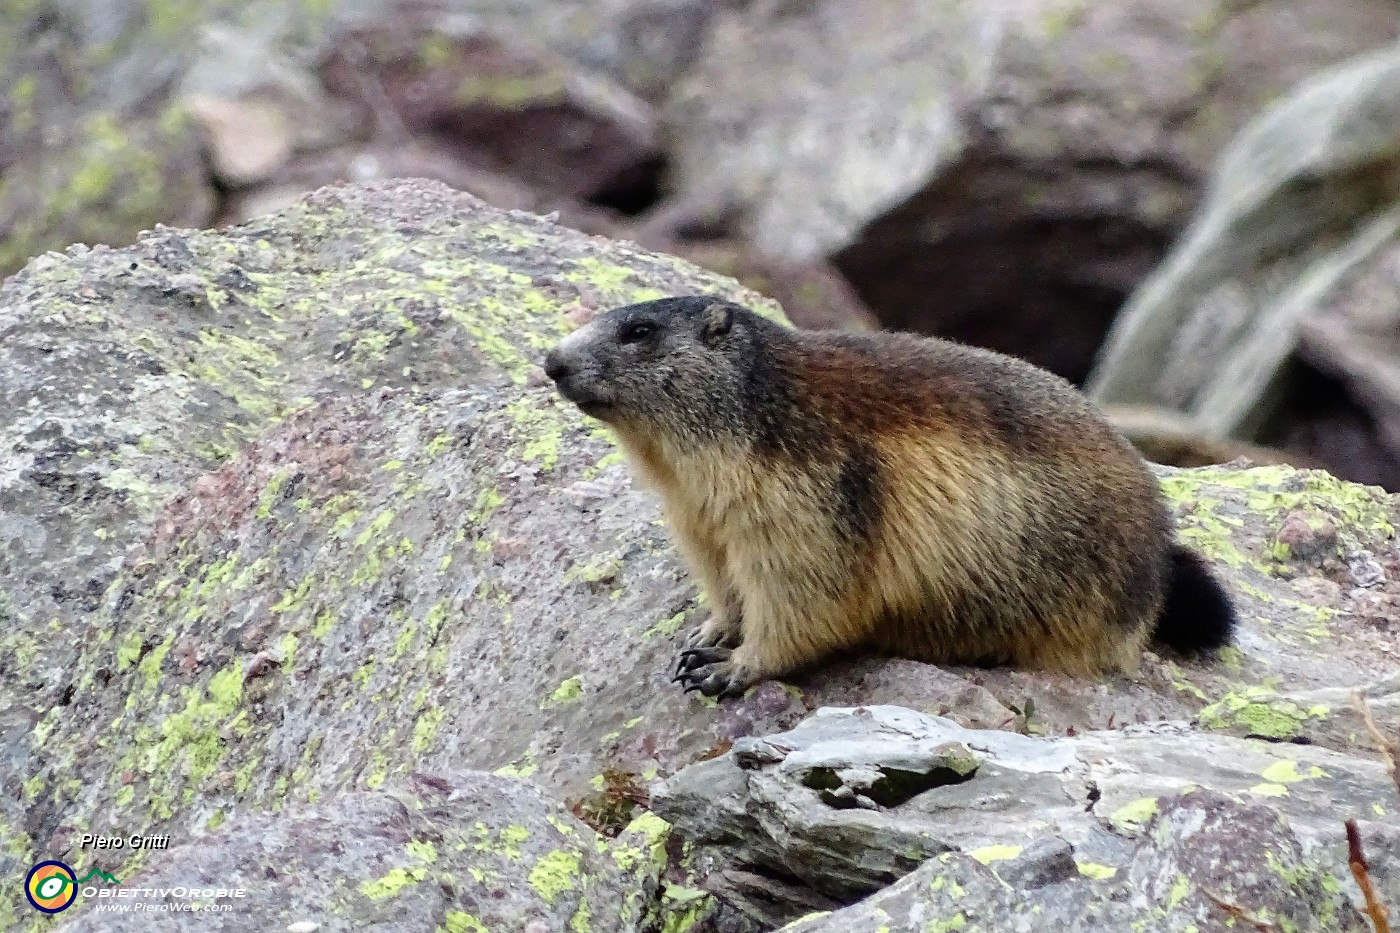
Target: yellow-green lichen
<point>581,921</point>
<point>1269,790</point>
<point>1270,493</point>
<point>1286,772</point>
<point>150,666</point>
<point>521,768</point>
<point>539,430</point>
<point>457,921</point>
<point>128,651</point>
<point>683,907</point>
<point>653,832</point>
<point>1180,888</point>
<point>1259,712</point>
<point>566,692</point>
<point>512,838</point>
<point>392,883</point>
<point>1133,816</point>
<point>269,495</point>
<point>554,874</point>
<point>422,850</point>
<point>603,569</point>
<point>667,627</point>
<point>425,728</point>
<point>997,853</point>
<point>293,598</point>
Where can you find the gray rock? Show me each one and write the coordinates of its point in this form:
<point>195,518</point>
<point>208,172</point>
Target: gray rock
<point>1048,815</point>
<point>464,852</point>
<point>492,100</point>
<point>1213,865</point>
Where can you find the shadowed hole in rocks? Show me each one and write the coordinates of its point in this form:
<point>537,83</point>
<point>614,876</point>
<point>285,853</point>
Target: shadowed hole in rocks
<point>767,895</point>
<point>1013,258</point>
<point>894,787</point>
<point>636,190</point>
<point>1320,419</point>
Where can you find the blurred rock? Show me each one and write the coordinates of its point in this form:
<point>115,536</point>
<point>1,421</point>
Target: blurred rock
<point>494,101</point>
<point>364,162</point>
<point>1296,247</point>
<point>247,140</point>
<point>643,44</point>
<point>813,294</point>
<point>90,148</point>
<point>1166,436</point>
<point>97,141</point>
<point>1004,173</point>
<point>418,90</point>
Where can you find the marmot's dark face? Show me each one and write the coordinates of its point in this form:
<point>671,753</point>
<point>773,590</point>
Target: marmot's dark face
<point>659,364</point>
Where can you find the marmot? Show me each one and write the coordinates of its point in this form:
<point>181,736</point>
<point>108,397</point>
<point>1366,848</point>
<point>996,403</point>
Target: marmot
<point>885,491</point>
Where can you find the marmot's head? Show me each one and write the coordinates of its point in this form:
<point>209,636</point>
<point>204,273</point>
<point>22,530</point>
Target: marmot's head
<point>680,366</point>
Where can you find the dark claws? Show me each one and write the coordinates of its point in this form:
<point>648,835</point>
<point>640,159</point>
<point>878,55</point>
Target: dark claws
<point>711,685</point>
<point>690,658</point>
<point>717,680</point>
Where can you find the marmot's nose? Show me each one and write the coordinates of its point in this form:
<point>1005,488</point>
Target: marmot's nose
<point>554,366</point>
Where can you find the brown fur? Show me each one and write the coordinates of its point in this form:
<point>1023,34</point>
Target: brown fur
<point>991,515</point>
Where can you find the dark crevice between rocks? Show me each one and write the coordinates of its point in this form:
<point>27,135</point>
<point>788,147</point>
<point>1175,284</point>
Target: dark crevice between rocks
<point>894,787</point>
<point>1278,740</point>
<point>1018,260</point>
<point>766,895</point>
<point>1318,417</point>
<point>224,194</point>
<point>635,190</point>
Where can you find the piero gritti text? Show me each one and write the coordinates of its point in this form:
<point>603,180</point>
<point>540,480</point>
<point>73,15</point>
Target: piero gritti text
<point>134,841</point>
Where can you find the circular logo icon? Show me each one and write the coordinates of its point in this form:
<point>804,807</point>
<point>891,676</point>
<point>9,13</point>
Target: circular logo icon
<point>51,887</point>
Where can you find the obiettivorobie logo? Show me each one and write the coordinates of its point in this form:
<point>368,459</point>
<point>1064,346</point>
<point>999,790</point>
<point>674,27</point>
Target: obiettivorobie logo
<point>52,886</point>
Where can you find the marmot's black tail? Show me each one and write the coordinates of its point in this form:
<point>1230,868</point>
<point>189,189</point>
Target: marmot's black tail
<point>1198,615</point>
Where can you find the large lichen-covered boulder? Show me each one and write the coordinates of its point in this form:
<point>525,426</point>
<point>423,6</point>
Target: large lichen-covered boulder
<point>287,511</point>
<point>135,375</point>
<point>465,852</point>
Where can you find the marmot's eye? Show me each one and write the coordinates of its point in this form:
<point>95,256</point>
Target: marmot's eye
<point>637,331</point>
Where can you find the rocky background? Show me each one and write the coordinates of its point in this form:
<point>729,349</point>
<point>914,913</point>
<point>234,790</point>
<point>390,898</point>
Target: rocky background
<point>303,564</point>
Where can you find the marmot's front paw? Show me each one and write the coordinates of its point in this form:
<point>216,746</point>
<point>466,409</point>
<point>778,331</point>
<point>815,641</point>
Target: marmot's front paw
<point>712,671</point>
<point>701,637</point>
<point>715,631</point>
<point>699,641</point>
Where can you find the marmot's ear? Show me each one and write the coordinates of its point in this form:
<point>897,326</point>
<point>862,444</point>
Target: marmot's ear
<point>715,321</point>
